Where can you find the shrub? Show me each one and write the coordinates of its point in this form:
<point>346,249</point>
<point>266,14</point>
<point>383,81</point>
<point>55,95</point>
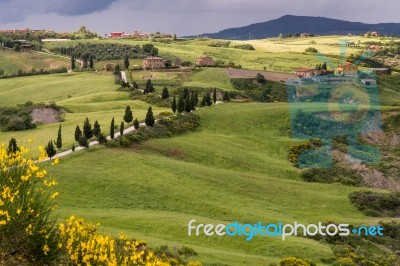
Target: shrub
<point>375,203</point>
<point>27,228</point>
<point>293,261</point>
<point>311,50</point>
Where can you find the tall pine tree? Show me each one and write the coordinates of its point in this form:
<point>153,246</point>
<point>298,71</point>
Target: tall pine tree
<point>173,107</point>
<point>112,129</point>
<point>128,117</point>
<point>78,133</point>
<point>59,139</point>
<point>87,129</point>
<point>126,62</point>
<point>188,104</point>
<point>149,121</point>
<point>121,129</point>
<point>96,129</point>
<point>91,64</point>
<point>215,95</point>
<point>165,93</point>
<point>181,105</point>
<point>50,150</point>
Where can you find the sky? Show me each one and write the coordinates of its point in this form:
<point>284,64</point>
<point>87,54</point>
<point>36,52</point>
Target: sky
<point>183,17</point>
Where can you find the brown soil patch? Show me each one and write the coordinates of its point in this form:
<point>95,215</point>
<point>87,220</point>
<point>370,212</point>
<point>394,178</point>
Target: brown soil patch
<point>269,75</point>
<point>45,116</point>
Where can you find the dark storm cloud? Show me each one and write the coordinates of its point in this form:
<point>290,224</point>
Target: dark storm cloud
<point>184,17</point>
<point>18,10</point>
<point>78,7</point>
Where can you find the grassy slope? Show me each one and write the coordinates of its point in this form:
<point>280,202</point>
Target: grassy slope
<point>233,167</point>
<point>210,77</point>
<point>11,61</point>
<point>83,94</point>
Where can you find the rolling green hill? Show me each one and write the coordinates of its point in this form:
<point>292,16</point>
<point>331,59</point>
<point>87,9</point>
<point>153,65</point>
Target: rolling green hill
<point>11,62</point>
<point>233,168</point>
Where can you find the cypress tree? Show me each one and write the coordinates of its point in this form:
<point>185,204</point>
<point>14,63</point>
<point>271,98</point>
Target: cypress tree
<point>149,118</point>
<point>91,65</point>
<point>59,139</point>
<point>96,129</point>
<point>12,146</point>
<point>181,105</point>
<point>193,101</point>
<point>78,133</point>
<point>126,62</point>
<point>196,98</point>
<point>83,142</point>
<point>73,147</point>
<point>188,104</point>
<point>215,95</point>
<point>136,123</point>
<point>112,129</point>
<point>121,129</point>
<point>203,101</point>
<point>173,107</point>
<point>226,97</point>
<point>102,139</point>
<point>117,70</point>
<point>128,117</point>
<point>207,100</point>
<point>165,93</point>
<point>50,150</point>
<point>185,93</point>
<point>73,63</point>
<point>87,129</point>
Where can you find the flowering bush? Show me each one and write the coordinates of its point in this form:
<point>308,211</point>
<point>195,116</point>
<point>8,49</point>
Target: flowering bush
<point>27,228</point>
<point>85,246</point>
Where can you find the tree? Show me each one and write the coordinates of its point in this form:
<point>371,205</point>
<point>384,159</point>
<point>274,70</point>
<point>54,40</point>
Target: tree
<point>215,95</point>
<point>136,123</point>
<point>78,133</point>
<point>102,139</point>
<point>126,62</point>
<point>173,107</point>
<point>73,62</point>
<point>96,129</point>
<point>87,129</point>
<point>324,66</point>
<point>193,100</point>
<point>128,117</point>
<point>17,47</point>
<point>59,139</point>
<point>185,93</point>
<point>149,121</point>
<point>12,146</point>
<point>260,78</point>
<point>149,87</point>
<point>73,147</point>
<point>207,100</point>
<point>83,142</point>
<point>226,97</point>
<point>181,105</point>
<point>174,37</point>
<point>50,150</point>
<point>117,70</point>
<point>188,104</point>
<point>121,129</point>
<point>91,64</point>
<point>112,129</point>
<point>165,93</point>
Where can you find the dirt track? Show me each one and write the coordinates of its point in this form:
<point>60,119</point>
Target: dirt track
<point>269,75</point>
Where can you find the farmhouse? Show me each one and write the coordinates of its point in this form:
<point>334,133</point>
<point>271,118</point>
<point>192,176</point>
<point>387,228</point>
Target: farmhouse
<point>153,62</point>
<point>205,61</point>
<point>26,47</point>
<point>116,34</point>
<point>347,69</point>
<point>304,72</point>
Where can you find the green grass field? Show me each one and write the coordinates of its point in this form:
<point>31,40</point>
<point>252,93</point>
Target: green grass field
<point>11,61</point>
<point>91,95</point>
<point>233,168</point>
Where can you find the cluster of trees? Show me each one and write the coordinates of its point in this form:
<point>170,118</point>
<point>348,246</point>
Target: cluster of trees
<point>245,46</point>
<point>107,51</point>
<point>81,33</point>
<point>32,72</point>
<point>16,118</point>
<point>188,101</point>
<point>260,89</point>
<point>311,50</point>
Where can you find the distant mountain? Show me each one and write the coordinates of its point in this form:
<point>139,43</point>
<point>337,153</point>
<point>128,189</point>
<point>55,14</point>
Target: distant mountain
<point>302,24</point>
